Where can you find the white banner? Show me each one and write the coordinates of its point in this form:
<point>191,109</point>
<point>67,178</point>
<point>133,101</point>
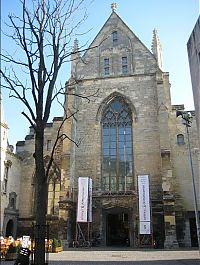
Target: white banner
<point>26,241</point>
<point>82,208</point>
<point>144,203</point>
<point>145,228</point>
<point>90,201</point>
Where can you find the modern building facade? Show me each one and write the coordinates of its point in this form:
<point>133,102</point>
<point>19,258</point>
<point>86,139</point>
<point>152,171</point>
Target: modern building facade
<point>129,128</point>
<point>193,47</point>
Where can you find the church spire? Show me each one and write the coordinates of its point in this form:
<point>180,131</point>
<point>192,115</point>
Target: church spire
<point>157,49</point>
<point>74,58</point>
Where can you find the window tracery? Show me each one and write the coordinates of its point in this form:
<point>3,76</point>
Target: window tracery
<point>117,162</point>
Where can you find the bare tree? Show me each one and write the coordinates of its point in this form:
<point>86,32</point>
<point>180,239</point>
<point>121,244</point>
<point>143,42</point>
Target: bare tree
<point>43,35</point>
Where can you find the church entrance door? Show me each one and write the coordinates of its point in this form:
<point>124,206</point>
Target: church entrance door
<point>117,230</point>
<point>9,228</point>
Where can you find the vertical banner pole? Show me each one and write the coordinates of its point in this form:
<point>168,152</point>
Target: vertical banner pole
<point>145,215</point>
<point>84,204</point>
<point>88,236</point>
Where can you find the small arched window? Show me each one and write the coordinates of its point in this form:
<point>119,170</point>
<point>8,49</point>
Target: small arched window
<point>180,139</point>
<point>115,38</point>
<point>117,162</point>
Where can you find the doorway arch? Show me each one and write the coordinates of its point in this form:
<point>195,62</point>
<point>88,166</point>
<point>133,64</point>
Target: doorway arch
<point>10,228</point>
<point>117,229</point>
<point>117,226</point>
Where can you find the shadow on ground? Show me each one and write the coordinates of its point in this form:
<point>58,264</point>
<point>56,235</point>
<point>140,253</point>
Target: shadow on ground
<point>154,262</point>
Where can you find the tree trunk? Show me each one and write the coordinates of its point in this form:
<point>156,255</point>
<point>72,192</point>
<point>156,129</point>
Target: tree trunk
<point>41,198</point>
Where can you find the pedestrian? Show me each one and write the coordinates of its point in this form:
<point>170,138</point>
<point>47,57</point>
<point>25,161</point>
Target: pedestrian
<point>23,257</point>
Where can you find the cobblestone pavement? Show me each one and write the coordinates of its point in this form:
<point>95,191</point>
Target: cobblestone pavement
<point>125,257</point>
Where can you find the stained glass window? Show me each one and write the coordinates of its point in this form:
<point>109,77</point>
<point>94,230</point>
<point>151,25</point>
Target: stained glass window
<point>117,162</point>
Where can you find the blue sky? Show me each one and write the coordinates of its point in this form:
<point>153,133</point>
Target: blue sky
<point>174,21</point>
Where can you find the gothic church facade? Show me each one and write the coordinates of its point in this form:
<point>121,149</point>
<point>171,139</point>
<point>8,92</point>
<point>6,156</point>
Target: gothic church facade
<point>128,128</point>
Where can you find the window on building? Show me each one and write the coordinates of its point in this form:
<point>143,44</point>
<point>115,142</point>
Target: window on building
<point>49,145</point>
<point>4,135</point>
<point>106,66</point>
<point>115,38</point>
<point>54,182</point>
<point>117,162</point>
<point>180,139</point>
<point>12,200</point>
<point>7,165</point>
<point>124,65</point>
<point>5,181</point>
<point>53,195</point>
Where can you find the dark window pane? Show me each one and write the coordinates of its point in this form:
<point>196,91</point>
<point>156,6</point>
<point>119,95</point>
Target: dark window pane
<point>112,144</point>
<point>128,144</point>
<point>129,183</point>
<point>124,60</point>
<point>113,138</point>
<point>128,151</point>
<point>113,151</point>
<point>116,106</point>
<point>106,71</point>
<point>113,167</point>
<point>121,157</point>
<point>113,158</point>
<point>128,157</point>
<point>121,187</point>
<point>113,172</point>
<point>106,62</point>
<point>106,145</point>
<point>121,151</point>
<point>180,139</point>
<point>121,138</point>
<point>105,160</point>
<point>129,169</point>
<point>113,184</point>
<point>103,180</point>
<point>128,130</point>
<point>105,171</point>
<point>124,69</point>
<point>121,144</point>
<point>106,131</point>
<point>106,139</point>
<point>115,38</point>
<point>122,169</point>
<point>113,131</point>
<point>106,151</point>
<point>121,131</point>
<point>115,43</point>
<point>128,137</point>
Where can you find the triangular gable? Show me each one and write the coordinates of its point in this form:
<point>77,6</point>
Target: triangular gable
<point>99,38</point>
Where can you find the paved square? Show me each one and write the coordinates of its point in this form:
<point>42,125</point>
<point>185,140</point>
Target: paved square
<point>119,257</point>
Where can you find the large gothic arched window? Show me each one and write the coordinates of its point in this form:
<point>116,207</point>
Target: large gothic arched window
<point>117,162</point>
